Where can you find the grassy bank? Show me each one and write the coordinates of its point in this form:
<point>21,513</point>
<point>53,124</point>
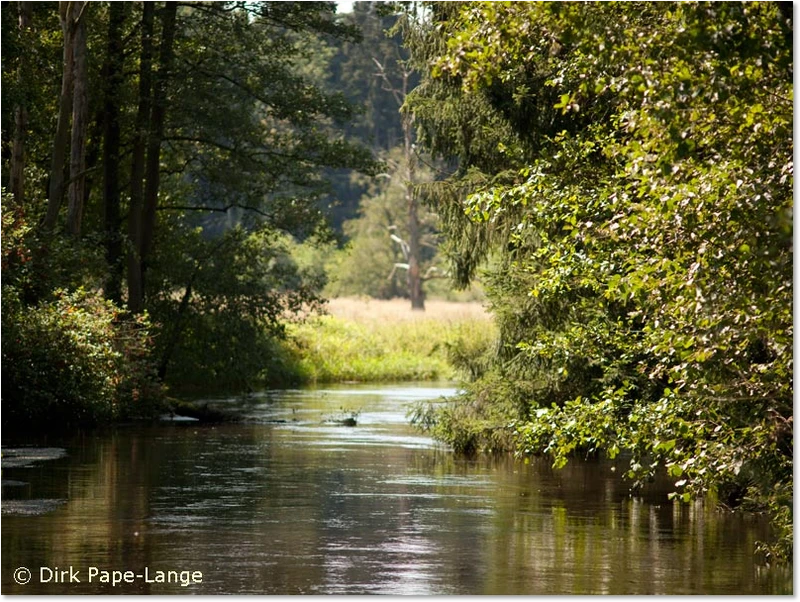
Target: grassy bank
<point>372,340</point>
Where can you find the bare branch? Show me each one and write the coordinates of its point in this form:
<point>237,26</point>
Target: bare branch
<point>387,85</point>
<point>434,272</point>
<point>224,209</point>
<point>403,245</point>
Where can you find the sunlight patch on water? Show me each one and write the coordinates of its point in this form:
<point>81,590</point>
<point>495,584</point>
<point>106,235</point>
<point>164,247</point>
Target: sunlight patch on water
<point>31,507</point>
<point>14,457</point>
<point>406,494</point>
<point>447,481</point>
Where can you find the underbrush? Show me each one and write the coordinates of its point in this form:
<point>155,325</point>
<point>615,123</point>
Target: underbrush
<point>74,360</point>
<point>481,418</point>
<point>69,357</point>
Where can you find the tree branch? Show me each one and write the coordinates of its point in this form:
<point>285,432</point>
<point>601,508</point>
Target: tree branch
<point>224,209</point>
<point>434,272</point>
<point>387,85</point>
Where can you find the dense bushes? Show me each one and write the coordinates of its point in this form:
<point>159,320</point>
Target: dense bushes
<point>73,360</point>
<point>223,302</point>
<point>69,358</point>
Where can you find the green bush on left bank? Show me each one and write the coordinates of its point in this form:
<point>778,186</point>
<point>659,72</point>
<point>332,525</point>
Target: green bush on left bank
<point>74,360</point>
<point>69,357</point>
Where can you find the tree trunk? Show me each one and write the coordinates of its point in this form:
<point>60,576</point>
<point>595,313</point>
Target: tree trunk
<point>414,276</point>
<point>174,334</point>
<point>414,248</point>
<point>135,285</point>
<point>56,187</point>
<point>157,121</point>
<point>80,119</point>
<point>111,144</point>
<point>145,206</point>
<point>17,179</point>
<point>93,154</point>
<point>415,291</point>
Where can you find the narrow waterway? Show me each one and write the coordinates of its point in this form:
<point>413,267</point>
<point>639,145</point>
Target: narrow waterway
<point>296,500</point>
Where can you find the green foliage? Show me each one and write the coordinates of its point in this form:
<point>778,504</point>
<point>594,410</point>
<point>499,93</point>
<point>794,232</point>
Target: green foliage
<point>70,358</point>
<point>72,361</point>
<point>31,75</point>
<point>237,183</point>
<point>352,70</point>
<point>235,178</point>
<point>36,384</point>
<point>643,280</point>
<point>369,262</point>
<point>479,419</point>
<point>224,302</point>
<point>266,150</point>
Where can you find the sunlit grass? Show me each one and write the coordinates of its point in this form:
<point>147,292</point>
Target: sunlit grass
<point>371,340</point>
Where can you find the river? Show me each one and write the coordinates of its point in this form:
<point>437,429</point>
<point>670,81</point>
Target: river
<point>293,500</point>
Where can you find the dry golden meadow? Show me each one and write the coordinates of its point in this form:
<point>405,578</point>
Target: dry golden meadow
<point>365,309</point>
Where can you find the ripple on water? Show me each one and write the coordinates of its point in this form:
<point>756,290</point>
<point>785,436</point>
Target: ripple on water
<point>14,457</point>
<point>13,483</point>
<point>31,507</point>
<point>408,494</point>
<point>446,480</point>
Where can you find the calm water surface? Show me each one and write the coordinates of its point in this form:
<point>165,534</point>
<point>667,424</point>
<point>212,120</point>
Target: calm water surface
<point>292,502</point>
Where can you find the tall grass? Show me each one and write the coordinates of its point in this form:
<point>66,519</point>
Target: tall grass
<point>370,340</point>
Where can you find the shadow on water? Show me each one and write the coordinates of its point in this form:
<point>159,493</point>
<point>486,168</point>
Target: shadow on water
<point>293,501</point>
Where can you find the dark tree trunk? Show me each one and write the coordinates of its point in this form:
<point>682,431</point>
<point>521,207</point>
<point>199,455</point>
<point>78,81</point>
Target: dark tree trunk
<point>143,210</point>
<point>93,154</point>
<point>56,187</point>
<point>135,287</point>
<point>156,135</point>
<point>174,334</point>
<point>17,177</point>
<point>80,120</point>
<point>111,144</point>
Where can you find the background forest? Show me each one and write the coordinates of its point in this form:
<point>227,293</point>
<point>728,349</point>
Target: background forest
<point>184,182</point>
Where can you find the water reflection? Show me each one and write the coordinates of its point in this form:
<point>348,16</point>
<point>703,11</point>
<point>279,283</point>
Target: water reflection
<point>289,503</point>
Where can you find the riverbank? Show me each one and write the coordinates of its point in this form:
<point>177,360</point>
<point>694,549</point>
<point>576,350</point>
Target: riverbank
<point>359,340</point>
<point>370,340</point>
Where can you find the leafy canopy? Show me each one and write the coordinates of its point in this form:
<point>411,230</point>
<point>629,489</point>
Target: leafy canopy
<point>641,216</point>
